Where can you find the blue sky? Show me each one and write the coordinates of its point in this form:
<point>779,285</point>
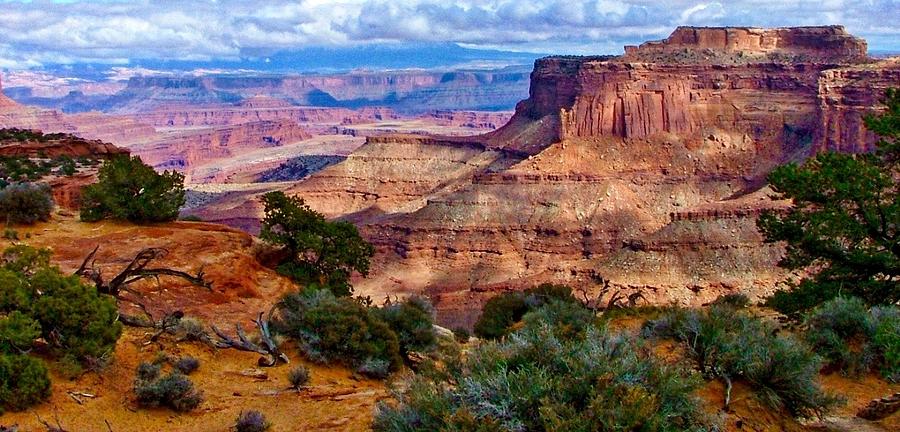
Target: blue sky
<point>43,32</point>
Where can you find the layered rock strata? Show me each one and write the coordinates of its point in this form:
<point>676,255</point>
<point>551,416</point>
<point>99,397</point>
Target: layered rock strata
<point>646,169</point>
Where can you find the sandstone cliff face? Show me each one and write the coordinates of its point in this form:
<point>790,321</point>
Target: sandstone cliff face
<point>184,149</point>
<point>646,169</point>
<point>748,44</point>
<point>257,110</point>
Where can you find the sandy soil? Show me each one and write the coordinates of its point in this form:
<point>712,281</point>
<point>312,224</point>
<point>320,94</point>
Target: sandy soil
<point>334,400</point>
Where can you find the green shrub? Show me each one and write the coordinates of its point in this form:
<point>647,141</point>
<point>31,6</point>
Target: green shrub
<point>499,314</point>
<point>568,319</point>
<point>339,329</point>
<point>74,318</point>
<point>502,311</point>
<point>887,340</point>
<point>130,190</point>
<point>413,322</point>
<point>854,339</point>
<point>461,334</point>
<point>174,390</point>
<point>251,421</point>
<point>18,332</point>
<point>23,382</point>
<point>321,253</point>
<point>79,324</point>
<point>187,365</point>
<point>191,218</point>
<point>736,300</point>
<point>298,377</point>
<point>731,344</point>
<point>25,203</point>
<point>67,165</point>
<point>533,380</point>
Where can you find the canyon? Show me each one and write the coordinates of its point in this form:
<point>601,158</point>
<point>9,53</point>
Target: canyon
<point>640,174</point>
<point>645,170</point>
<point>205,141</point>
<point>409,91</point>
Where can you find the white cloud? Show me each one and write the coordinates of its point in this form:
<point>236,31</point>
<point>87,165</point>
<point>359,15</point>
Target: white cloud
<point>41,32</point>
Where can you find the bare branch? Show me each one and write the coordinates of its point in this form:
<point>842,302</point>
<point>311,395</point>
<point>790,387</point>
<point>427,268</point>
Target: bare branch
<point>135,271</point>
<point>269,348</point>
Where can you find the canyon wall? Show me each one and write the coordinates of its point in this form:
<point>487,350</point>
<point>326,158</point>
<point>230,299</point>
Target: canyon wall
<point>647,169</point>
<point>405,91</point>
<point>187,148</point>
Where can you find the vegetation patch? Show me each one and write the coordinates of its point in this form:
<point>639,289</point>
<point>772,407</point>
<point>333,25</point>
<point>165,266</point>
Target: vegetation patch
<point>536,379</point>
<point>79,325</point>
<point>131,190</point>
<point>502,311</point>
<point>173,390</point>
<point>730,344</point>
<point>25,203</point>
<point>319,253</point>
<point>856,339</point>
<point>333,329</point>
<point>843,223</point>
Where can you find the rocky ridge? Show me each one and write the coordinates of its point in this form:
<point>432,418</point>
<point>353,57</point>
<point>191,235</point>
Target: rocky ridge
<point>646,169</point>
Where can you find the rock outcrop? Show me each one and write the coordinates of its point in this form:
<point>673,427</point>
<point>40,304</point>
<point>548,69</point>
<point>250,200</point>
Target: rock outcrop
<point>646,169</point>
<point>184,149</point>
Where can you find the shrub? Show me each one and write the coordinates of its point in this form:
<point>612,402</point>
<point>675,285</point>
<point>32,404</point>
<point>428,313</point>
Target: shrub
<point>174,390</point>
<point>321,253</point>
<point>887,340</point>
<point>413,322</point>
<point>17,332</point>
<point>504,310</point>
<point>251,421</point>
<point>298,377</point>
<point>130,190</point>
<point>79,324</point>
<point>338,329</point>
<point>187,365</point>
<point>854,339</point>
<point>461,334</point>
<point>730,344</point>
<point>190,329</point>
<point>568,319</point>
<point>73,316</point>
<point>10,234</point>
<point>735,300</point>
<point>23,382</point>
<point>25,203</point>
<point>191,218</point>
<point>67,165</point>
<point>534,381</point>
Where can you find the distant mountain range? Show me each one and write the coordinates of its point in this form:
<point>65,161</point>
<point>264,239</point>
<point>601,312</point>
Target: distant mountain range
<point>408,77</point>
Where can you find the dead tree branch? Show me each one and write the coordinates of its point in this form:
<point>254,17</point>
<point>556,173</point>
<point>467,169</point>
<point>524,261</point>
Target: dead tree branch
<point>269,348</point>
<point>135,271</point>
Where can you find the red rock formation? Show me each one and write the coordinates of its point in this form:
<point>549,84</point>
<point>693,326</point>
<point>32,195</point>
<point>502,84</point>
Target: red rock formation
<point>645,169</point>
<point>255,111</point>
<point>821,44</point>
<point>67,146</point>
<point>845,96</point>
<point>188,148</point>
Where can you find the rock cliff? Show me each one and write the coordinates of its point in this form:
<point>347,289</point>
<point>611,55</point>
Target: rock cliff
<point>647,169</point>
<point>184,149</point>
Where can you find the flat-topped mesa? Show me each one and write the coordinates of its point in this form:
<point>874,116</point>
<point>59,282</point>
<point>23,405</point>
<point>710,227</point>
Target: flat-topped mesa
<point>769,85</point>
<point>749,44</point>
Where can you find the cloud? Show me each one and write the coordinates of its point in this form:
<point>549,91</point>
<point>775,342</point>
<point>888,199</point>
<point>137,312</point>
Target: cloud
<point>41,32</point>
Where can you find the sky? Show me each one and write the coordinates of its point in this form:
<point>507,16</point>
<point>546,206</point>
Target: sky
<point>44,32</point>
